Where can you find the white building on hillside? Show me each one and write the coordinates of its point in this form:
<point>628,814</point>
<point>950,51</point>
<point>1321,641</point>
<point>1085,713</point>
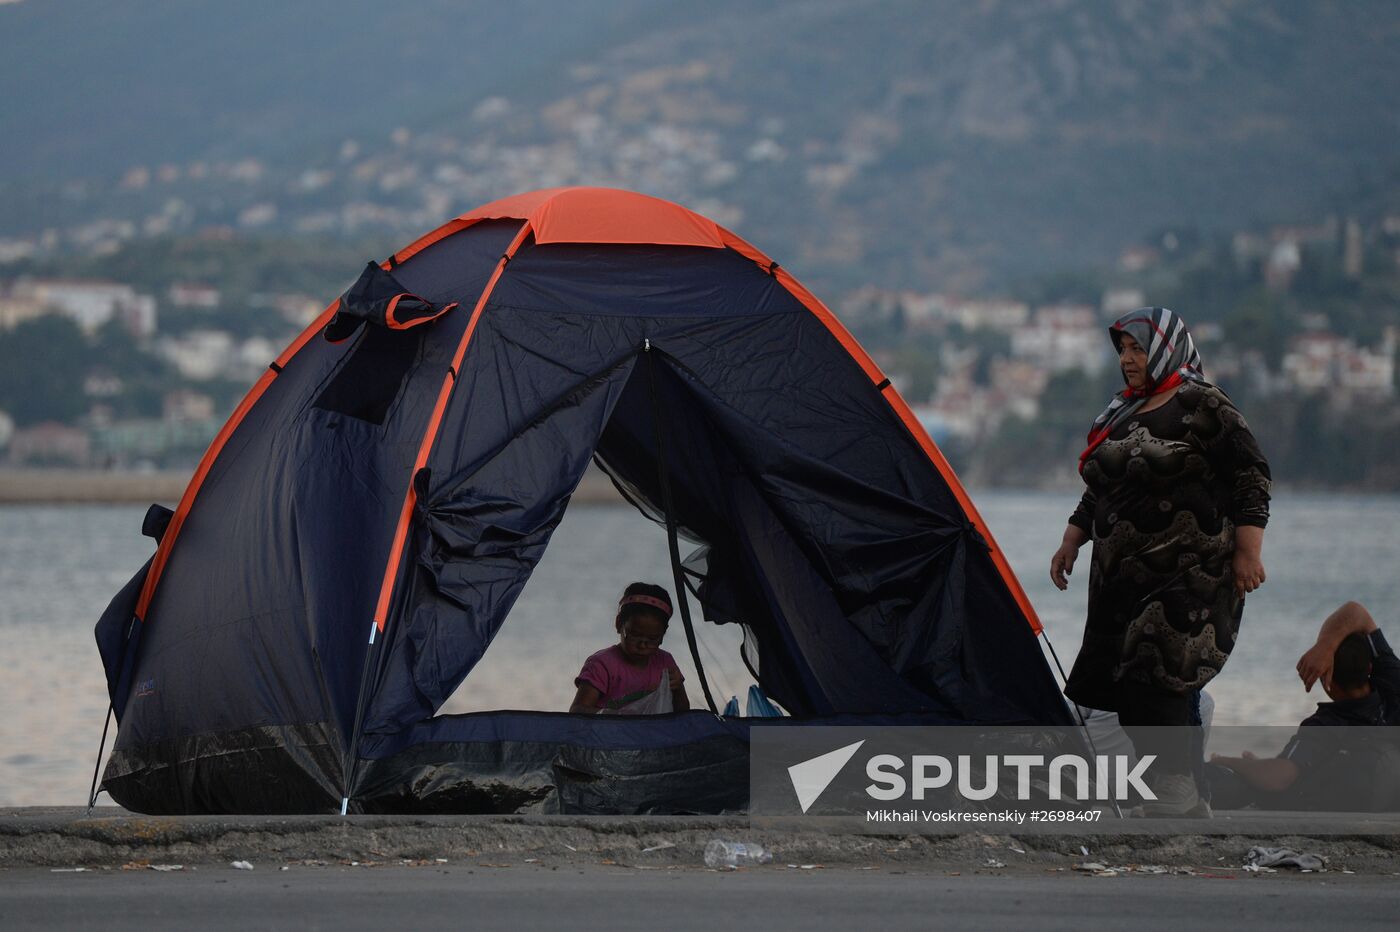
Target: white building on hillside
<point>1325,362</point>
<point>1061,337</point>
<point>200,354</point>
<point>91,303</point>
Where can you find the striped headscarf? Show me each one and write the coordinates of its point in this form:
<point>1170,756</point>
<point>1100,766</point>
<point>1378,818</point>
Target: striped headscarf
<point>1171,360</point>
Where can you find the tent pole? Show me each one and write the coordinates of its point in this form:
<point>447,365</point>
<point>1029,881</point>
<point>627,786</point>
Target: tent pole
<point>671,541</point>
<point>1077,714</point>
<point>425,447</point>
<point>352,758</point>
<point>97,767</point>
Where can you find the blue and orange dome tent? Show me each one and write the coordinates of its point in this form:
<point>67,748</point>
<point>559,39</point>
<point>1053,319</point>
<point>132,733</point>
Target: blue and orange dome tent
<point>360,528</point>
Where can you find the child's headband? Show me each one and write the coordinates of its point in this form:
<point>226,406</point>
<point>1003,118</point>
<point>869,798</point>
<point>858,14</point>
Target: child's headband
<point>648,600</point>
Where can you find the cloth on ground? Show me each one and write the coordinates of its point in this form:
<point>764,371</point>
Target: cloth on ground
<point>1260,856</point>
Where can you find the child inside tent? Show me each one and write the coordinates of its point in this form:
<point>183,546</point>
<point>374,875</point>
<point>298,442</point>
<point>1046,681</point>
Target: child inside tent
<point>634,676</point>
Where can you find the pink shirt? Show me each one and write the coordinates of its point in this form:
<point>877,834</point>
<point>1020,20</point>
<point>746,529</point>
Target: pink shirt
<point>620,682</point>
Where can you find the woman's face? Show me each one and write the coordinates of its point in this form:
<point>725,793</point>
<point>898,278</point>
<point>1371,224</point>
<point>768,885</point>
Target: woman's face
<point>1132,359</point>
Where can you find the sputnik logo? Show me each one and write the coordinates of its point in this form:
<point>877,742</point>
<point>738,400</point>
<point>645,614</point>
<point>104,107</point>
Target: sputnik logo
<point>811,777</point>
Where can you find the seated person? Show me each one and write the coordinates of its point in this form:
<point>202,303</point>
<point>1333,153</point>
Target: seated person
<point>628,677</point>
<point>1348,770</point>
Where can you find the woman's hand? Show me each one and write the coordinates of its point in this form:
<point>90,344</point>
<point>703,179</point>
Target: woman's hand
<point>1248,564</point>
<point>1062,563</point>
<point>1249,573</point>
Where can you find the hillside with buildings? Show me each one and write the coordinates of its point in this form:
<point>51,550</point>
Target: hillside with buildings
<point>1299,323</point>
<point>975,187</point>
<point>916,144</point>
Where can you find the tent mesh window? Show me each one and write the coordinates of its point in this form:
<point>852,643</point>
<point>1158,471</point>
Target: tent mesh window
<point>370,378</point>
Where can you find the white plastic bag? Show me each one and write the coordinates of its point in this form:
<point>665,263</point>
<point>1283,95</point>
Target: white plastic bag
<point>656,702</point>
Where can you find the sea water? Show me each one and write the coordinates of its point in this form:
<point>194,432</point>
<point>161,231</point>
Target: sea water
<point>60,565</point>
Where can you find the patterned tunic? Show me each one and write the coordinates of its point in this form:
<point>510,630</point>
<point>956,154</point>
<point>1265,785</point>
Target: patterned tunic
<point>1164,495</point>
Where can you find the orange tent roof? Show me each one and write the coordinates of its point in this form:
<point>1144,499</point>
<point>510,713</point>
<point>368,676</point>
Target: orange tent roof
<point>602,215</point>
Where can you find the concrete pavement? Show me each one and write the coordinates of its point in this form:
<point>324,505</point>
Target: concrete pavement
<point>499,893</point>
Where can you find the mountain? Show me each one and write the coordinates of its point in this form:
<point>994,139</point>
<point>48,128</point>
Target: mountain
<point>916,143</point>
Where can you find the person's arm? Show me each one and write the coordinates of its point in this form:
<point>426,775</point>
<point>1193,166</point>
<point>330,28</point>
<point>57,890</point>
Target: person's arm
<point>680,702</point>
<point>1385,673</point>
<point>1248,561</point>
<point>587,700</point>
<point>1236,455</point>
<point>1270,774</point>
<point>1077,533</point>
<point>1316,663</point>
<point>1062,563</point>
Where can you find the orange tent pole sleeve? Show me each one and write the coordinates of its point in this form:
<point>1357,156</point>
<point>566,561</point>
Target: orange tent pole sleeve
<point>901,409</point>
<point>425,447</point>
<point>177,521</point>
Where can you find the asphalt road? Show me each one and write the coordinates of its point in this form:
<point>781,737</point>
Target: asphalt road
<point>527,896</point>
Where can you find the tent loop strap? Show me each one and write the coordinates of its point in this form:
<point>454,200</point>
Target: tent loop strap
<point>97,767</point>
<point>671,541</point>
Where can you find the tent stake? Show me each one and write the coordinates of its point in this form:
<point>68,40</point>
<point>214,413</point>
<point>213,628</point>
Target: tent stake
<point>671,542</point>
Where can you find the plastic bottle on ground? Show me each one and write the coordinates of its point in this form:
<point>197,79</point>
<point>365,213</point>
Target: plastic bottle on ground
<point>729,855</point>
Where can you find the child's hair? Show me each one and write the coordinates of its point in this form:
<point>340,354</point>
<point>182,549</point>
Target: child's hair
<point>643,598</point>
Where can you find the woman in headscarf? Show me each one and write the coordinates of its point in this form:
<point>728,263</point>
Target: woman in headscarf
<point>1176,500</point>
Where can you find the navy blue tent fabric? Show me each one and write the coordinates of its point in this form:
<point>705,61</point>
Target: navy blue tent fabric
<point>118,637</point>
<point>685,762</point>
<point>267,599</point>
<point>825,530</point>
